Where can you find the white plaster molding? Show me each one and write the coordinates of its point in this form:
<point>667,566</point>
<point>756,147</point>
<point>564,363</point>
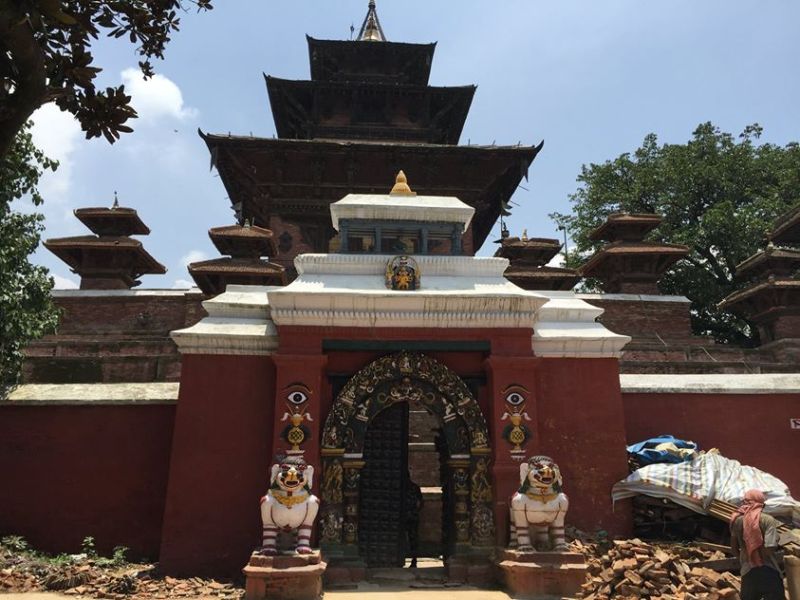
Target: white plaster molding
<point>348,290</point>
<point>635,298</point>
<point>567,328</point>
<point>238,322</point>
<point>122,293</point>
<point>717,383</point>
<point>95,394</point>
<point>385,207</point>
<point>375,264</point>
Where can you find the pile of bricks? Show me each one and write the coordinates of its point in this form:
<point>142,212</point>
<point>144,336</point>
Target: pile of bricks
<point>20,573</point>
<point>634,569</point>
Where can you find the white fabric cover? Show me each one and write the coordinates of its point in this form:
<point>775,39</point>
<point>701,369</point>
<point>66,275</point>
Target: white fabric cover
<point>708,477</point>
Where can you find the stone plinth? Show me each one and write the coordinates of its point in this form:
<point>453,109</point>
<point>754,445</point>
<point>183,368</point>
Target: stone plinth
<point>295,577</point>
<point>536,574</point>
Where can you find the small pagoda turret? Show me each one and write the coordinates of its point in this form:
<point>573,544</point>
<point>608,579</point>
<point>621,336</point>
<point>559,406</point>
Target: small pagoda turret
<point>629,264</point>
<point>772,301</point>
<point>110,259</point>
<point>244,245</point>
<point>528,268</point>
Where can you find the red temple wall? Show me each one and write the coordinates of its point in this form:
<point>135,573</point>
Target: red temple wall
<point>581,426</point>
<point>219,465</point>
<point>69,472</point>
<point>751,428</point>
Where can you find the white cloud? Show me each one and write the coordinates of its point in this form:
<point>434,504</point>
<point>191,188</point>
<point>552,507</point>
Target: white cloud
<point>62,283</point>
<point>183,284</point>
<point>193,256</point>
<point>156,97</point>
<point>57,134</point>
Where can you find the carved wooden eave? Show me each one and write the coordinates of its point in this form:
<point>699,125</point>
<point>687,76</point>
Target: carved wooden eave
<point>390,61</point>
<point>765,301</point>
<point>299,179</point>
<point>112,221</point>
<point>787,228</point>
<point>330,109</point>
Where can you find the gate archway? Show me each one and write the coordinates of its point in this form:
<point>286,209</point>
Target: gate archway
<point>414,378</point>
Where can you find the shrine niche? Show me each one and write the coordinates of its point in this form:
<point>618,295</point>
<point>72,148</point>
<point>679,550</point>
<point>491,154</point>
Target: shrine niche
<point>376,390</point>
<point>402,273</point>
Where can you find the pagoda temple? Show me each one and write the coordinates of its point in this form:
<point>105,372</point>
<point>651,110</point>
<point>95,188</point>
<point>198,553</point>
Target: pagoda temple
<point>528,258</point>
<point>243,265</point>
<point>367,112</point>
<point>772,300</point>
<point>111,259</point>
<point>629,264</point>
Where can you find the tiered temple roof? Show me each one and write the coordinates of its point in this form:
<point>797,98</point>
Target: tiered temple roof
<point>110,259</point>
<point>244,245</point>
<point>529,257</point>
<point>628,264</point>
<point>366,112</point>
<point>772,302</point>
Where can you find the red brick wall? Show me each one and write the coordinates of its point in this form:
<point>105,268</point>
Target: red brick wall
<point>670,320</point>
<point>753,429</point>
<point>113,338</point>
<point>74,471</point>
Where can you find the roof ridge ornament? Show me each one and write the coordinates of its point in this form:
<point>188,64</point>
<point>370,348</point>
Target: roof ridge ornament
<point>401,187</point>
<point>371,30</point>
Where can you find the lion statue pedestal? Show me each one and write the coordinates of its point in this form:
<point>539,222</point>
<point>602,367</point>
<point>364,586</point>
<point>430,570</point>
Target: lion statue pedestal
<point>290,571</point>
<point>543,567</point>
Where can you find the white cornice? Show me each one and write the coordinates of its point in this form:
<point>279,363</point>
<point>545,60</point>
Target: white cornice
<point>238,322</point>
<point>717,383</point>
<point>409,209</point>
<point>94,394</point>
<point>567,328</point>
<point>348,290</point>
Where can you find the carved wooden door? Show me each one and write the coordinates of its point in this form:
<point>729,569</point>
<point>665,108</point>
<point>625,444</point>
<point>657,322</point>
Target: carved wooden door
<point>382,521</point>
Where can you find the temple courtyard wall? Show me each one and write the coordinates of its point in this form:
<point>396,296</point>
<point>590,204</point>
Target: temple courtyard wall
<point>114,463</point>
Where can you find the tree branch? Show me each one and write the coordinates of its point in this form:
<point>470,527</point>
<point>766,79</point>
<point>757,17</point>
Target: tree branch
<point>30,87</point>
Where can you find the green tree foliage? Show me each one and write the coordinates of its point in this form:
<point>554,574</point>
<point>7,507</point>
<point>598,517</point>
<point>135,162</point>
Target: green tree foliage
<point>26,310</point>
<point>45,56</point>
<point>719,195</point>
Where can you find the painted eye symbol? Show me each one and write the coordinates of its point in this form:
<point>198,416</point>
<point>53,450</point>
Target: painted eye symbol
<point>515,398</point>
<point>297,397</point>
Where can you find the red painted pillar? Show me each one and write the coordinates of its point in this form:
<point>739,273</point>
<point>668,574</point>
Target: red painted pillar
<point>512,422</point>
<point>219,464</point>
<point>582,427</point>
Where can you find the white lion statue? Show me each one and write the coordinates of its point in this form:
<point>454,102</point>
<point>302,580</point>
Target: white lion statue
<point>289,505</point>
<point>539,503</point>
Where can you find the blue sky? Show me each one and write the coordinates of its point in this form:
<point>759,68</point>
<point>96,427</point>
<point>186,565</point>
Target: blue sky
<point>589,77</point>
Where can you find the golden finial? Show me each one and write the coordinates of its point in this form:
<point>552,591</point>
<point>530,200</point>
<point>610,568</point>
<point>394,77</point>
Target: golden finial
<point>524,235</point>
<point>401,186</point>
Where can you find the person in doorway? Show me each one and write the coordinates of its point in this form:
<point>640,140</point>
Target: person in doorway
<point>754,539</point>
<point>413,506</point>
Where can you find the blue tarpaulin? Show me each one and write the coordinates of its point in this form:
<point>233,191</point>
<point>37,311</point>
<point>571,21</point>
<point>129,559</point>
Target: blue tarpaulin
<point>648,452</point>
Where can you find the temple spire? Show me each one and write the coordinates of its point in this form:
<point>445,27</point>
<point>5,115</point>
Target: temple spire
<point>371,30</point>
